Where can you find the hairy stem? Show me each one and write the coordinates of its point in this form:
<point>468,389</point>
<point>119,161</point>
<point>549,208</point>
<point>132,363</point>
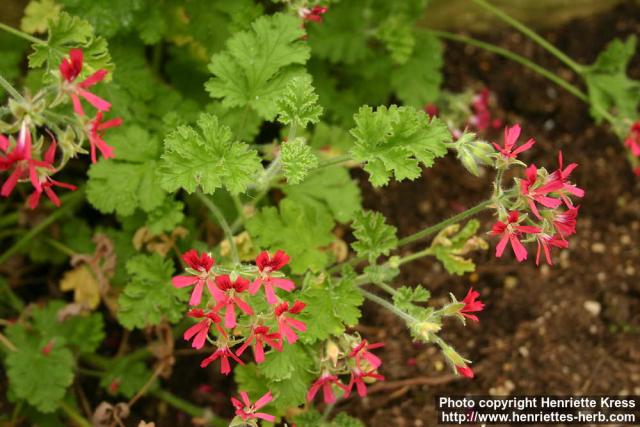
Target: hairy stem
<point>389,306</point>
<point>189,408</point>
<point>73,415</point>
<point>531,34</point>
<point>334,161</point>
<point>414,256</point>
<point>10,89</point>
<point>217,213</point>
<point>21,34</point>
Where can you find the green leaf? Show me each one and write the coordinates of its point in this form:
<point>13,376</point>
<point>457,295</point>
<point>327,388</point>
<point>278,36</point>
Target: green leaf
<point>374,236</point>
<point>608,84</point>
<point>330,306</point>
<point>131,180</point>
<point>149,296</point>
<point>397,35</point>
<point>208,159</point>
<point>327,137</point>
<point>67,32</point>
<point>40,379</point>
<point>297,160</point>
<point>129,376</point>
<point>84,333</point>
<point>396,141</point>
<point>37,15</point>
<point>417,81</point>
<point>299,103</point>
<point>166,217</point>
<point>243,121</point>
<point>405,297</point>
<point>282,365</point>
<point>257,64</point>
<point>299,229</point>
<point>451,244</point>
<point>331,189</point>
<point>344,420</point>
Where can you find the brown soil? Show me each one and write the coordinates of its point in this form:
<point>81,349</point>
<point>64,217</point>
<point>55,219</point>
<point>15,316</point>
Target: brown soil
<point>535,335</point>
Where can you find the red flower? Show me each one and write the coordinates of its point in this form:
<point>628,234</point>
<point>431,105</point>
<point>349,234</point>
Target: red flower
<point>471,305</point>
<point>465,371</point>
<point>358,379</point>
<point>562,175</point>
<point>361,351</point>
<point>636,171</point>
<point>247,411</point>
<point>286,325</point>
<point>47,183</point>
<point>201,267</point>
<point>431,110</point>
<point>510,137</point>
<point>544,244</point>
<point>261,335</point>
<point>326,382</point>
<point>70,69</point>
<point>267,265</point>
<point>633,140</point>
<point>225,293</point>
<point>21,161</point>
<point>222,353</point>
<point>200,330</point>
<point>511,232</point>
<point>481,118</point>
<point>314,14</point>
<point>538,194</point>
<point>565,222</point>
<point>95,130</point>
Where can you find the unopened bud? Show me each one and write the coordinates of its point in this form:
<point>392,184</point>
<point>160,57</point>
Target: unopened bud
<point>473,153</point>
<point>424,329</point>
<point>452,309</point>
<point>454,358</point>
<point>333,352</point>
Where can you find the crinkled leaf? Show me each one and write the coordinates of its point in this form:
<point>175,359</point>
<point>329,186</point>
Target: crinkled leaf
<point>282,365</point>
<point>149,296</point>
<point>297,160</point>
<point>331,189</point>
<point>451,244</point>
<point>405,297</point>
<point>299,229</point>
<point>374,236</point>
<point>608,84</point>
<point>131,180</point>
<point>395,141</point>
<point>37,15</point>
<point>299,103</point>
<point>40,379</point>
<point>166,217</point>
<point>208,159</point>
<point>125,376</point>
<point>257,64</point>
<point>398,37</point>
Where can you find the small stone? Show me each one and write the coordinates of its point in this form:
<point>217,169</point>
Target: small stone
<point>438,365</point>
<point>602,276</point>
<point>593,307</point>
<point>524,351</point>
<point>630,270</point>
<point>625,239</point>
<point>598,248</point>
<point>510,282</point>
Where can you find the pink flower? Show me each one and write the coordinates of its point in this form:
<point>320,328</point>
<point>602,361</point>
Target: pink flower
<point>565,222</point>
<point>562,175</point>
<point>261,335</point>
<point>361,351</point>
<point>70,69</point>
<point>510,137</point>
<point>539,193</point>
<point>314,14</point>
<point>226,295</point>
<point>20,160</point>
<point>465,371</point>
<point>267,265</point>
<point>223,353</point>
<point>544,244</point>
<point>286,325</point>
<point>358,379</point>
<point>247,411</point>
<point>481,119</point>
<point>94,132</point>
<point>633,140</point>
<point>326,382</point>
<point>200,330</point>
<point>47,183</point>
<point>201,267</point>
<point>471,305</point>
<point>511,232</point>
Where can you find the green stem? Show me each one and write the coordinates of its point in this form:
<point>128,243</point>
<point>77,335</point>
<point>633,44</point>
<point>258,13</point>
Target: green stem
<point>386,288</point>
<point>531,34</point>
<point>414,256</point>
<point>9,219</point>
<point>187,407</point>
<point>223,223</point>
<point>10,89</point>
<point>74,415</point>
<point>60,246</point>
<point>386,304</point>
<point>20,34</point>
<point>69,202</point>
<point>334,161</point>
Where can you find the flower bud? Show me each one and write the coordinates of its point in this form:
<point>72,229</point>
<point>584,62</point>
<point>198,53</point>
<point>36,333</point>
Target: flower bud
<point>333,352</point>
<point>473,153</point>
<point>423,330</point>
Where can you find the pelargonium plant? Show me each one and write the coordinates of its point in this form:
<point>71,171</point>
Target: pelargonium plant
<point>222,220</point>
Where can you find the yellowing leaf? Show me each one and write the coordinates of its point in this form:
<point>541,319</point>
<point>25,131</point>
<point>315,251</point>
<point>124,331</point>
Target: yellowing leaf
<point>85,287</point>
<point>37,15</point>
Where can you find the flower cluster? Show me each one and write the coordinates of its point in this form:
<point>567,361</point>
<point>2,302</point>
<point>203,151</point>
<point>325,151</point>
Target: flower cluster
<point>229,298</point>
<point>26,158</point>
<point>539,210</point>
<point>633,144</point>
<point>351,357</point>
